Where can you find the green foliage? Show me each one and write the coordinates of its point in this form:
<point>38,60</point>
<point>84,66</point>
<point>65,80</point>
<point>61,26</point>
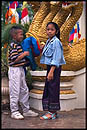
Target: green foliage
<point>4,63</point>
<point>5,34</point>
<point>4,8</point>
<point>5,28</point>
<point>39,68</point>
<point>29,79</point>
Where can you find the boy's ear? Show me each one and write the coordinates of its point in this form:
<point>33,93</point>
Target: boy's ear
<point>14,35</point>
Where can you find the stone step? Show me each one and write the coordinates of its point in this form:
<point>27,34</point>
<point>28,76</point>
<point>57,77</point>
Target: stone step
<point>67,101</point>
<point>42,84</point>
<point>63,73</point>
<point>62,96</point>
<point>43,73</point>
<point>63,85</point>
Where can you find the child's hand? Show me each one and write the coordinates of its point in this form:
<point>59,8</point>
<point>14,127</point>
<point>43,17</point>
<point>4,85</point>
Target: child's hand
<point>51,73</point>
<point>50,76</point>
<point>26,53</point>
<point>42,45</point>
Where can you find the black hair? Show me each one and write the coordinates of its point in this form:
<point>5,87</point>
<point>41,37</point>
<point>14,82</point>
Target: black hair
<point>56,27</point>
<point>13,30</point>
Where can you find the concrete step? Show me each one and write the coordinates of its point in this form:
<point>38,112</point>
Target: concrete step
<point>62,96</point>
<point>63,85</point>
<point>67,101</point>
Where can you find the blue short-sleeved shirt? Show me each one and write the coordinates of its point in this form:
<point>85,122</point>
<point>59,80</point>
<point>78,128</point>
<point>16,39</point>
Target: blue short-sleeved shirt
<point>53,53</point>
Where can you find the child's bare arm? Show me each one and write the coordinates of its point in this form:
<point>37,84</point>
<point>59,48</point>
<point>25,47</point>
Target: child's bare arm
<point>50,74</point>
<point>42,46</point>
<point>25,53</point>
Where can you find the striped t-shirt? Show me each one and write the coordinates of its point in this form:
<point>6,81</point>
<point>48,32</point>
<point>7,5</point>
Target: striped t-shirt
<point>15,50</point>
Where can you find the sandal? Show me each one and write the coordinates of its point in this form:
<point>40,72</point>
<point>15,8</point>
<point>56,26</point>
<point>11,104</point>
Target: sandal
<point>48,116</point>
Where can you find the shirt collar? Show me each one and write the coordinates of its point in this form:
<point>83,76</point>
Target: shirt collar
<point>52,39</point>
<point>15,41</point>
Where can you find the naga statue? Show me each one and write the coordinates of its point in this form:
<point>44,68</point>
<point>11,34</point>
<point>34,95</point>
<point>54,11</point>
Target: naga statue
<point>66,17</point>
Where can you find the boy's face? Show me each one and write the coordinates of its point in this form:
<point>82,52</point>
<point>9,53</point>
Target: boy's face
<point>19,35</point>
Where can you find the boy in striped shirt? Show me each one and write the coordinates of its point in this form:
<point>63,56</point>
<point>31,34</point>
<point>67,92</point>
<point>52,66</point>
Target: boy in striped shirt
<point>18,89</point>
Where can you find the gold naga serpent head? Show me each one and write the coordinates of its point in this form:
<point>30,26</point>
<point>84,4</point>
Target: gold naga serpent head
<point>66,17</point>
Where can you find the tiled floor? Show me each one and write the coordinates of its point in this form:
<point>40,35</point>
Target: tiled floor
<point>67,120</point>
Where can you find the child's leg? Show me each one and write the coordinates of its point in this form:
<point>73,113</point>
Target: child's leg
<point>24,93</point>
<point>54,91</point>
<point>14,87</point>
